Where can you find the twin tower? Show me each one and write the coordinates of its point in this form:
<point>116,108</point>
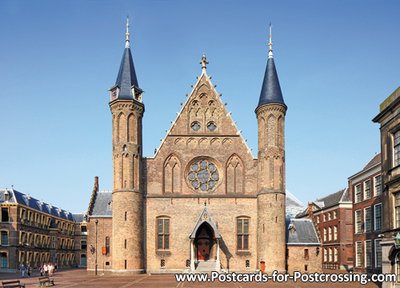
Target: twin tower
<point>129,198</point>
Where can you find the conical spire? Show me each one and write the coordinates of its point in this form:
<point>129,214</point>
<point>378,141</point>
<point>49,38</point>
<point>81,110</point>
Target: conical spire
<point>271,90</point>
<point>126,79</point>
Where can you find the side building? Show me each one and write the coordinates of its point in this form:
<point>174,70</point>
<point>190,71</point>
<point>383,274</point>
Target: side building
<point>389,120</point>
<point>34,232</point>
<point>332,217</point>
<point>366,189</point>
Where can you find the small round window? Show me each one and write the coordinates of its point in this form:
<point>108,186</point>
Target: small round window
<point>195,126</point>
<point>203,175</point>
<point>211,126</point>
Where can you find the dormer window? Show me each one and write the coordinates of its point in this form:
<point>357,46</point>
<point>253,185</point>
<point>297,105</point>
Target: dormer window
<point>114,93</point>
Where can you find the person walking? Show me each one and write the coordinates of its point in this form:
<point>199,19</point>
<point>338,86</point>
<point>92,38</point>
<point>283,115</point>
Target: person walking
<point>29,270</point>
<point>41,270</point>
<point>46,269</point>
<point>23,271</point>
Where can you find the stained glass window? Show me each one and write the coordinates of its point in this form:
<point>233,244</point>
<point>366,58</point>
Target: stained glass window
<point>203,175</point>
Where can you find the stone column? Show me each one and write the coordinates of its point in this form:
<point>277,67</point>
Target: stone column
<point>191,256</point>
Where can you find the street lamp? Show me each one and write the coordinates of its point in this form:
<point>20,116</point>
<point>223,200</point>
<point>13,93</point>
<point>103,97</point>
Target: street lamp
<point>96,221</point>
<point>397,240</point>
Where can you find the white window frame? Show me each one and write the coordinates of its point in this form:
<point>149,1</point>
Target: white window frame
<point>358,259</point>
<point>375,250</point>
<point>365,253</point>
<point>356,230</point>
<point>325,234</point>
<point>365,219</point>
<point>334,214</point>
<point>366,197</point>
<point>379,204</point>
<point>336,254</point>
<point>375,192</point>
<point>330,234</point>
<point>325,254</point>
<point>355,193</point>
<point>335,232</point>
<point>394,149</point>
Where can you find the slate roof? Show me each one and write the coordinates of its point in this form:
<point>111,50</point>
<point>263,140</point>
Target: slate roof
<point>79,217</point>
<point>26,200</point>
<point>375,160</point>
<point>271,89</point>
<point>341,196</point>
<point>102,204</point>
<point>301,232</point>
<point>126,76</point>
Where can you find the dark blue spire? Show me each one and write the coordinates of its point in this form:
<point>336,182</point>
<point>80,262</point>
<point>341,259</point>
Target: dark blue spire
<point>126,76</point>
<point>271,90</point>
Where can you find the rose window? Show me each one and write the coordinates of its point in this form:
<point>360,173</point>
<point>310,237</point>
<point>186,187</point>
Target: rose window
<point>203,175</point>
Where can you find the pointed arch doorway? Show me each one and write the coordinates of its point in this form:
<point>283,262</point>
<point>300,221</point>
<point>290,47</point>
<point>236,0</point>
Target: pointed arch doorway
<point>204,245</point>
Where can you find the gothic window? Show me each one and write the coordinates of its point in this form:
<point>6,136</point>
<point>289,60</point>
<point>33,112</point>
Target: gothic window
<point>163,233</point>
<point>271,130</point>
<point>242,233</point>
<point>203,175</point>
<point>211,126</point>
<point>195,126</point>
<point>172,175</point>
<point>122,131</point>
<point>234,175</point>
<point>131,128</point>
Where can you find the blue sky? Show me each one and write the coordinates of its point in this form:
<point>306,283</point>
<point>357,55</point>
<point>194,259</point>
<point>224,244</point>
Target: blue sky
<point>336,61</point>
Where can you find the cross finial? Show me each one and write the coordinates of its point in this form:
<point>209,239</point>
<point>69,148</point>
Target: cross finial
<point>127,32</point>
<point>204,62</point>
<point>270,55</point>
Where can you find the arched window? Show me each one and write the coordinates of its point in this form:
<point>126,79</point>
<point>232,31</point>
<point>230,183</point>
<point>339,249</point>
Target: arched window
<point>163,233</point>
<point>242,233</point>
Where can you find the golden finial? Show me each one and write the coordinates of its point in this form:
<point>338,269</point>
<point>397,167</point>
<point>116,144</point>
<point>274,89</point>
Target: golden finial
<point>270,55</point>
<point>127,32</point>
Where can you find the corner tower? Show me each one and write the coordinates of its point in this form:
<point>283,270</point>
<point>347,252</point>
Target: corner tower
<point>127,198</point>
<point>271,111</point>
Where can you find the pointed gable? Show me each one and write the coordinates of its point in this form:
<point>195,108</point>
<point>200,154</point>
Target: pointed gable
<point>203,114</point>
<point>205,217</point>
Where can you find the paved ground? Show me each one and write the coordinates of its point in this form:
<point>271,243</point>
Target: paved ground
<point>79,278</point>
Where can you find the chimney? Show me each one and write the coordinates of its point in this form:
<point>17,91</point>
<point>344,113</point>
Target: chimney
<point>6,196</point>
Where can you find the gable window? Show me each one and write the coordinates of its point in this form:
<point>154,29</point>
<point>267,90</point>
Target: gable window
<point>396,149</point>
<point>367,189</point>
<point>243,233</point>
<point>357,197</point>
<point>377,185</point>
<point>211,126</point>
<point>195,126</point>
<point>367,223</point>
<point>357,221</point>
<point>378,217</point>
<point>163,233</point>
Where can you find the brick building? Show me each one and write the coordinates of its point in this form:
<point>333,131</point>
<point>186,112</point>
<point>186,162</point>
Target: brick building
<point>389,121</point>
<point>366,189</point>
<point>332,217</point>
<point>33,232</point>
<point>202,202</point>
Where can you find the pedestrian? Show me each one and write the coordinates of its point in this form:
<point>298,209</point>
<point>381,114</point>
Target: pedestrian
<point>29,270</point>
<point>22,270</point>
<point>51,269</point>
<point>46,269</point>
<point>55,267</point>
<point>41,270</point>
